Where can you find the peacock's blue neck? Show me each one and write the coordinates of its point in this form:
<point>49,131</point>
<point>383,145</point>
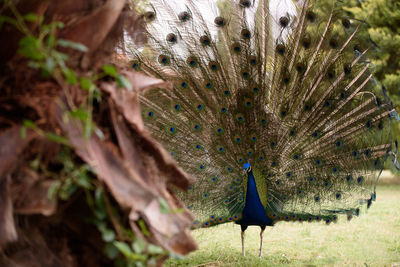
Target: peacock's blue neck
<point>253,212</point>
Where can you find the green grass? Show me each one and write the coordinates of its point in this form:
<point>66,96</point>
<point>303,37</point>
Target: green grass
<point>373,239</point>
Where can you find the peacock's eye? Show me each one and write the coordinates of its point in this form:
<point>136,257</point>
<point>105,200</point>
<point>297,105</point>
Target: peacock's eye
<point>149,16</point>
<point>280,48</point>
<point>184,16</point>
<point>246,34</point>
<point>219,21</point>
<point>245,3</point>
<point>171,38</point>
<point>310,16</point>
<point>284,21</point>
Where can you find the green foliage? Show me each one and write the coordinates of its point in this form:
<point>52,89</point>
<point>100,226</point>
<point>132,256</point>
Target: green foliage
<point>381,36</point>
<point>122,81</point>
<point>164,207</point>
<point>27,124</point>
<point>76,46</point>
<point>70,178</point>
<point>110,70</point>
<point>383,20</point>
<point>41,48</point>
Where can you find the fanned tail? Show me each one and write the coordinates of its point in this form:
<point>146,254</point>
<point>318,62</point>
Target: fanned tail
<point>291,95</point>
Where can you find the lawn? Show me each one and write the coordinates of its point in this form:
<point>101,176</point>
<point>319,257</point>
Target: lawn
<point>373,239</point>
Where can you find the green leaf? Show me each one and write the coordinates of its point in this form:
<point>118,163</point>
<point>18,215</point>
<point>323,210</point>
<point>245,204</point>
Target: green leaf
<point>29,124</point>
<point>89,126</point>
<point>73,45</point>
<point>110,70</point>
<point>57,138</point>
<point>164,207</point>
<point>80,114</point>
<point>9,20</point>
<point>83,180</point>
<point>32,17</point>
<point>123,248</point>
<point>45,74</point>
<point>59,24</point>
<point>143,227</point>
<point>49,65</point>
<point>68,189</point>
<point>53,190</point>
<point>124,82</point>
<point>70,76</point>
<point>51,40</point>
<point>176,211</point>
<point>111,251</point>
<point>60,57</point>
<point>100,214</point>
<point>86,83</point>
<point>35,164</point>
<point>22,132</point>
<point>99,199</point>
<point>152,249</point>
<point>48,28</point>
<point>29,47</point>
<point>41,18</point>
<point>127,252</point>
<point>97,94</point>
<point>108,235</point>
<point>34,64</point>
<point>84,183</point>
<point>139,246</point>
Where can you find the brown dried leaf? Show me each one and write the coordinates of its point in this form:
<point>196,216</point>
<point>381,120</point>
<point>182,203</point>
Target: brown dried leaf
<point>8,233</point>
<point>139,150</point>
<point>31,194</point>
<point>128,102</point>
<point>88,31</point>
<point>11,147</point>
<point>141,82</point>
<point>34,253</point>
<point>109,166</point>
<point>134,187</point>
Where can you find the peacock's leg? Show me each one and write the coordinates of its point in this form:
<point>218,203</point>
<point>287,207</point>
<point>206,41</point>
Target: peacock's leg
<point>261,239</point>
<point>243,227</point>
<point>243,253</point>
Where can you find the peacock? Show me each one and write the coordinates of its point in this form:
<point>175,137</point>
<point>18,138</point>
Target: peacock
<point>274,111</point>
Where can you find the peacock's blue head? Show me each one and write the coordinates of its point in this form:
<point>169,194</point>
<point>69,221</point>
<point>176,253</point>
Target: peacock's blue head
<point>247,167</point>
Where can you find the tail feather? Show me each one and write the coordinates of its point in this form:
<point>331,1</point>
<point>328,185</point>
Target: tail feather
<point>290,94</point>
